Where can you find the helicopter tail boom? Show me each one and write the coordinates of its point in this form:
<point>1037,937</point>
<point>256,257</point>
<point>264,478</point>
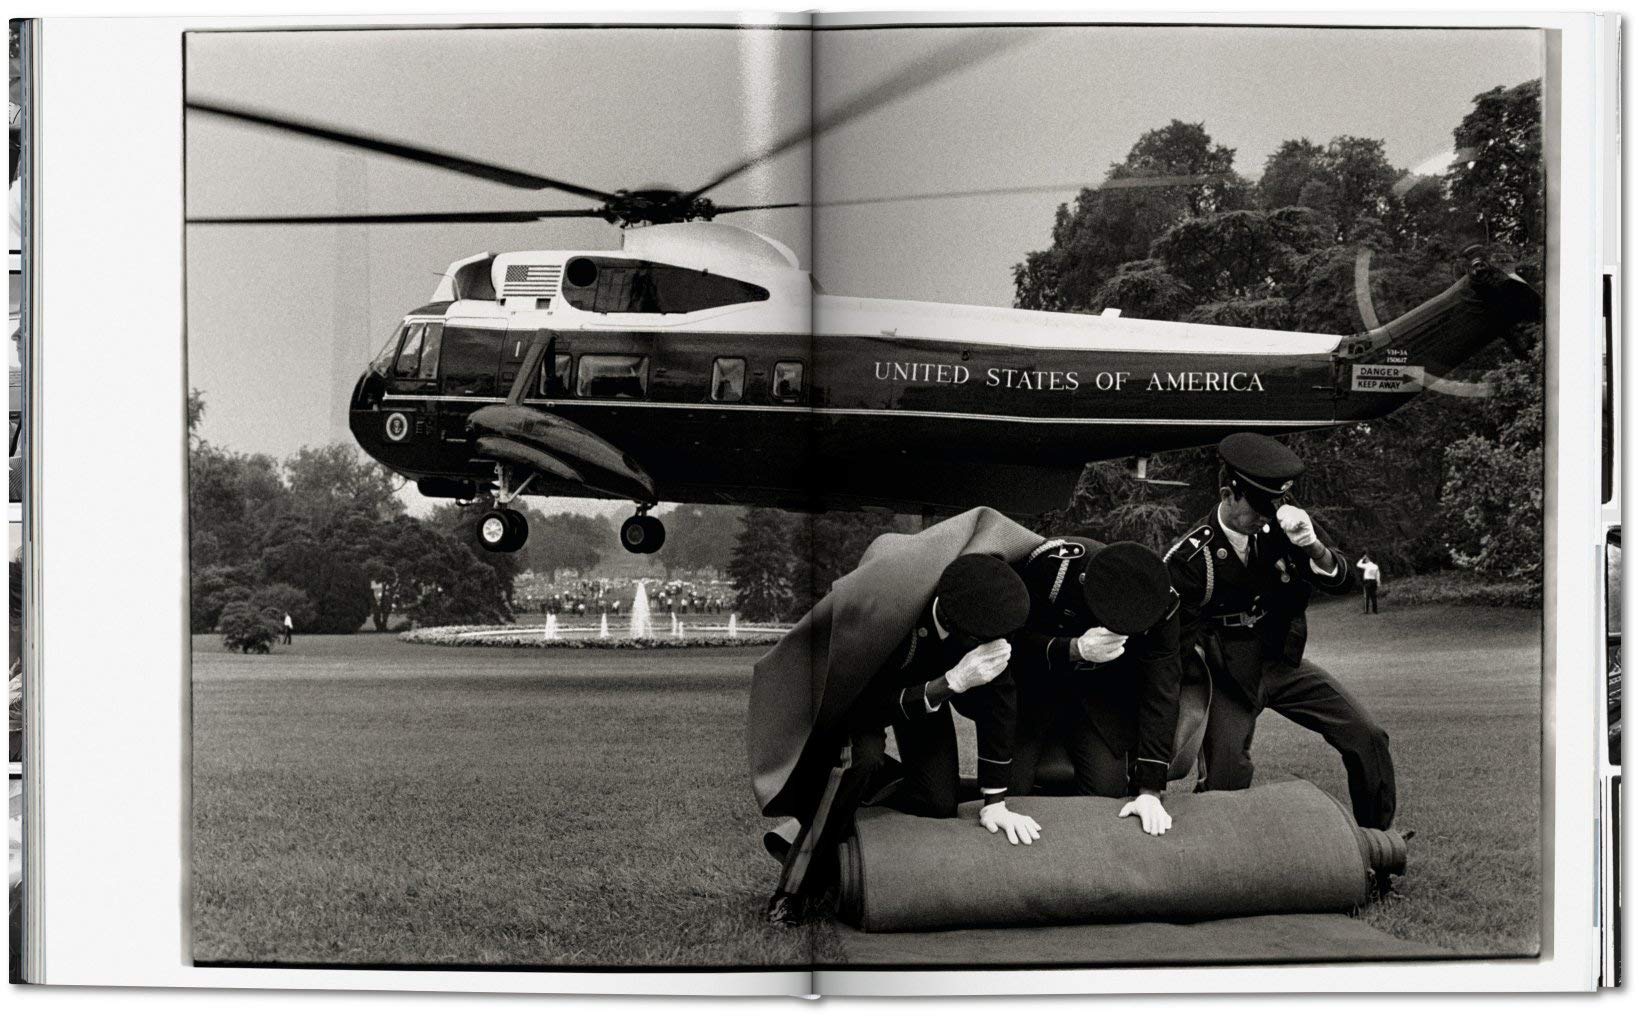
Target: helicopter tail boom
<point>1448,329</point>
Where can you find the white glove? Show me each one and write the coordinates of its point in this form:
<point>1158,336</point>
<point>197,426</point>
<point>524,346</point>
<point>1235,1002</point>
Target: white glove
<point>1099,645</point>
<point>979,666</point>
<point>1022,831</point>
<point>1296,522</point>
<point>1153,817</point>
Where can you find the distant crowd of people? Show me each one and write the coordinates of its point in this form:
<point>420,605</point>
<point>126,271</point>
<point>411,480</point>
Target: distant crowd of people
<point>596,597</point>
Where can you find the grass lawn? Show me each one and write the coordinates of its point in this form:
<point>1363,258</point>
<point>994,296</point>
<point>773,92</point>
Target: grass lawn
<point>361,800</point>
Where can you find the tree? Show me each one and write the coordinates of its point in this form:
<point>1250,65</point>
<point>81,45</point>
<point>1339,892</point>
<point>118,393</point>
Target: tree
<point>1288,170</point>
<point>768,554</point>
<point>700,537</point>
<point>211,588</point>
<point>460,523</point>
<point>430,577</point>
<point>1109,504</point>
<point>246,628</point>
<point>1497,183</point>
<point>1171,174</point>
<point>331,575</point>
<point>1493,496</point>
<point>332,480</point>
<point>1144,290</point>
<point>230,498</point>
<point>281,600</point>
<point>571,541</point>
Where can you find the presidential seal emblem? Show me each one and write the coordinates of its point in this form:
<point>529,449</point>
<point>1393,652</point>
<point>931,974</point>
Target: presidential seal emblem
<point>397,427</point>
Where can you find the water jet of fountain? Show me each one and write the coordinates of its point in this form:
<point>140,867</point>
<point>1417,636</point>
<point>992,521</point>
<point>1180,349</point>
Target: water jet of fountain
<point>674,630</point>
<point>732,630</point>
<point>640,624</point>
<point>603,625</point>
<point>550,630</point>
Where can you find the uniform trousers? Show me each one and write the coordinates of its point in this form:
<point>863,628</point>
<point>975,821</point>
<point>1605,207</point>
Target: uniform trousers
<point>1369,596</point>
<point>1308,695</point>
<point>1047,717</point>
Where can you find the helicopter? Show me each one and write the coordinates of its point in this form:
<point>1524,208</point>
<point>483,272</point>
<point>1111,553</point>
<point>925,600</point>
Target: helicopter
<point>700,363</point>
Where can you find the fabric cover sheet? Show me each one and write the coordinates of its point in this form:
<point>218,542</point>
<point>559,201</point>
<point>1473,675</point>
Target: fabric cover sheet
<point>1287,847</point>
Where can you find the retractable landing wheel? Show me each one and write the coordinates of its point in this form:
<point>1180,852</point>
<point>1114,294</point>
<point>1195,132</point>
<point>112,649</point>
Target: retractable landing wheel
<point>503,530</point>
<point>643,534</point>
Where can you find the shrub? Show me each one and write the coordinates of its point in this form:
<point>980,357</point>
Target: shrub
<point>246,628</point>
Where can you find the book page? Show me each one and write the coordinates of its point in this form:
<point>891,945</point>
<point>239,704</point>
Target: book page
<point>570,818</point>
<point>1072,249</point>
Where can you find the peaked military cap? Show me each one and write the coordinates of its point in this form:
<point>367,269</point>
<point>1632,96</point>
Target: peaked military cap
<point>1127,587</point>
<point>982,596</point>
<point>1261,469</point>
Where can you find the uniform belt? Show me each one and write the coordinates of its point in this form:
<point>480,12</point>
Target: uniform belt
<point>1237,619</point>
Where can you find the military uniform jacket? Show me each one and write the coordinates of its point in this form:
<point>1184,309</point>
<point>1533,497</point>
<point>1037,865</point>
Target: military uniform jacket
<point>1131,701</point>
<point>897,695</point>
<point>1239,614</point>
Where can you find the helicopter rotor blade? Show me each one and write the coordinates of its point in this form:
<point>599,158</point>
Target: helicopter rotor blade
<point>965,52</point>
<point>718,210</point>
<point>519,216</point>
<point>1120,184</point>
<point>389,147</point>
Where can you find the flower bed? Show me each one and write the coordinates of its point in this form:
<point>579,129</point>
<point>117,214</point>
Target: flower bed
<point>467,636</point>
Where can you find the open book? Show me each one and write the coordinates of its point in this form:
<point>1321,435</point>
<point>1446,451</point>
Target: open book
<point>817,506</point>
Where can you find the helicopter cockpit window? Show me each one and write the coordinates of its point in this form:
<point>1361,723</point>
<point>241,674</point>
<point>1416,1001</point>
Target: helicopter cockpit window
<point>434,338</point>
<point>613,285</point>
<point>383,362</point>
<point>555,380</point>
<point>409,362</point>
<point>612,375</point>
<point>787,384</point>
<point>728,379</point>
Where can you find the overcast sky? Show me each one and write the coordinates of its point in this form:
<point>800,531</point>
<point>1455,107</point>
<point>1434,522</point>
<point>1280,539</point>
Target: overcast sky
<point>282,319</point>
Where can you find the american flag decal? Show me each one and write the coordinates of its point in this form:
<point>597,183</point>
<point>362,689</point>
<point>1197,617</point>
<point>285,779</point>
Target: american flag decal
<point>531,281</point>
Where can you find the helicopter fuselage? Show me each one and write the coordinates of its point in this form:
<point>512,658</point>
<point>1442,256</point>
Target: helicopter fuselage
<point>786,397</point>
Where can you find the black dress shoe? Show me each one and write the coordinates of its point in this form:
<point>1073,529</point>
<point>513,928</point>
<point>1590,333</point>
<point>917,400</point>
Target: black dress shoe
<point>784,910</point>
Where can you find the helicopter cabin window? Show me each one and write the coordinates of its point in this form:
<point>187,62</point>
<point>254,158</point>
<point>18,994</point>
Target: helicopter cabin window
<point>613,375</point>
<point>728,379</point>
<point>613,285</point>
<point>470,359</point>
<point>555,380</point>
<point>787,384</point>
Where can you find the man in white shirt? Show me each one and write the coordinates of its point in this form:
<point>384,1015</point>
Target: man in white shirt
<point>1369,584</point>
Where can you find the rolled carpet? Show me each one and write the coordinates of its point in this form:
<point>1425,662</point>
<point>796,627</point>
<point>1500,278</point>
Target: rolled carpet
<point>1286,847</point>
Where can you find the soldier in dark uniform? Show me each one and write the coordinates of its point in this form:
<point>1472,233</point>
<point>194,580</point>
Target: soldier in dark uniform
<point>1244,577</point>
<point>1097,667</point>
<point>955,656</point>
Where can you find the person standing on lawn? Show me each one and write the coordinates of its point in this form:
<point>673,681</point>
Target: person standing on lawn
<point>1369,584</point>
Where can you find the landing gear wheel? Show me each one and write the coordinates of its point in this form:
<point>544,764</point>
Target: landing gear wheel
<point>642,534</point>
<point>503,530</point>
<point>521,527</point>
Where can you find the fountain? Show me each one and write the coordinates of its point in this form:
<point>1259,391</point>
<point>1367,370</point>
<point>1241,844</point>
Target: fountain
<point>640,626</point>
<point>641,633</point>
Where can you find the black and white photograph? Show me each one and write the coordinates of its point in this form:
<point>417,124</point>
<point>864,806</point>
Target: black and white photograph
<point>806,498</point>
